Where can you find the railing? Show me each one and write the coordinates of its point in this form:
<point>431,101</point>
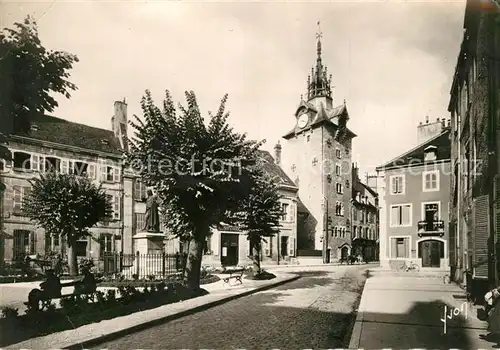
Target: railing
<point>430,227</point>
<point>141,266</point>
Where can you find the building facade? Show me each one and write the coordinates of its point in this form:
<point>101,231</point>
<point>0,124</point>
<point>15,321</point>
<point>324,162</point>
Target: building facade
<point>364,219</point>
<point>475,151</point>
<point>229,246</point>
<point>319,145</point>
<point>415,189</point>
<point>54,144</point>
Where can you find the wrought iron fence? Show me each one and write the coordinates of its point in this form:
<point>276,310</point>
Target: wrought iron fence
<point>141,266</point>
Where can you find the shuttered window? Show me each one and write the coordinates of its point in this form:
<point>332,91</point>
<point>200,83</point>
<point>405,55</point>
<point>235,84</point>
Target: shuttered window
<point>292,246</point>
<point>480,217</point>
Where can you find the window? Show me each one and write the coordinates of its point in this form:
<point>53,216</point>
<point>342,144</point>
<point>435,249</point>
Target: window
<point>337,208</point>
<point>337,170</point>
<point>51,242</point>
<point>140,191</point>
<point>339,188</point>
<point>354,230</point>
<point>401,215</point>
<point>52,164</point>
<point>347,184</point>
<point>338,153</point>
<point>24,243</point>
<point>397,184</point>
<point>22,161</point>
<point>20,192</point>
<point>430,181</point>
<point>430,153</point>
<point>80,168</point>
<point>140,221</point>
<point>2,165</point>
<point>431,212</point>
<point>115,206</point>
<point>81,247</point>
<point>314,161</point>
<point>400,247</point>
<point>308,138</point>
<point>105,244</point>
<point>335,231</point>
<point>284,211</point>
<point>110,174</point>
<point>355,213</point>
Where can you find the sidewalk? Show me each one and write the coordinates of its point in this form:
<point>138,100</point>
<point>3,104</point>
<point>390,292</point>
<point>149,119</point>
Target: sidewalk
<point>406,312</point>
<point>84,336</point>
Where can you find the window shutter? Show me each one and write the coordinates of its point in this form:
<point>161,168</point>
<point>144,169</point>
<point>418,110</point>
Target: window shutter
<point>32,239</point>
<point>394,248</point>
<point>92,171</point>
<point>215,242</point>
<point>267,246</point>
<point>292,246</point>
<point>64,166</point>
<point>116,174</point>
<point>116,207</point>
<point>480,217</point>
<point>248,248</point>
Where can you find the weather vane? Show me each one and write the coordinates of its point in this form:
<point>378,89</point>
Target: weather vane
<point>319,34</point>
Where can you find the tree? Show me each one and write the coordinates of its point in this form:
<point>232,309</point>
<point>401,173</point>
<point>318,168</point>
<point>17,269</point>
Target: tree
<point>66,205</point>
<point>260,215</point>
<point>30,73</point>
<point>201,172</point>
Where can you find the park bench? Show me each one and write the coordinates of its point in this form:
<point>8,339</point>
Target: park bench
<point>39,299</point>
<point>237,274</point>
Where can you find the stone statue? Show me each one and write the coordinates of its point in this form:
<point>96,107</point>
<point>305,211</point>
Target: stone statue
<point>152,218</point>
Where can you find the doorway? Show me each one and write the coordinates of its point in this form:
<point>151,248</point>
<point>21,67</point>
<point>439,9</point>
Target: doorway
<point>284,246</point>
<point>431,251</point>
<point>229,254</point>
<point>344,253</point>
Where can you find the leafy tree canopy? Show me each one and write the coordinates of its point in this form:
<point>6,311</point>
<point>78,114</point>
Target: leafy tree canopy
<point>261,210</point>
<point>29,73</point>
<point>201,172</point>
<point>66,204</point>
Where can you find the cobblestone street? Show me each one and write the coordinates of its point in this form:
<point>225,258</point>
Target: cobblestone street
<point>315,311</point>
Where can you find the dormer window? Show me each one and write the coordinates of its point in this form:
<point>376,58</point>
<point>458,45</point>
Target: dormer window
<point>34,127</point>
<point>104,142</point>
<point>430,153</point>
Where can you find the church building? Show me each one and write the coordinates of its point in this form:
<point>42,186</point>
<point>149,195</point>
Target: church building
<point>319,145</point>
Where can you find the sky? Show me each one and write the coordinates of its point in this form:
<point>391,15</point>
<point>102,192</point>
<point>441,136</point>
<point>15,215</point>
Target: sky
<point>392,61</point>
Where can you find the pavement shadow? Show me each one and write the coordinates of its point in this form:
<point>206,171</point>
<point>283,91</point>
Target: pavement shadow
<point>421,327</point>
<point>264,323</point>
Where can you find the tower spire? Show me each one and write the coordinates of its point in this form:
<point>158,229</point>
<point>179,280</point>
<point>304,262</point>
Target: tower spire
<point>320,84</point>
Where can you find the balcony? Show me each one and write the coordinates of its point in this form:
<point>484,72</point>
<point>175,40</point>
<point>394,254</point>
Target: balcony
<point>431,228</point>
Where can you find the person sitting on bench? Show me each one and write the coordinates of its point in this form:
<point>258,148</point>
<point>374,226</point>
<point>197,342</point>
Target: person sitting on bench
<point>52,285</point>
<point>88,284</point>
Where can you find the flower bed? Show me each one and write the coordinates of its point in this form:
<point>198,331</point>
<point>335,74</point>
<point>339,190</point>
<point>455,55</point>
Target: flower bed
<point>76,312</point>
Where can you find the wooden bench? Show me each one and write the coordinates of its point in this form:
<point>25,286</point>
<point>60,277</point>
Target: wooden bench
<point>39,300</point>
<point>237,274</point>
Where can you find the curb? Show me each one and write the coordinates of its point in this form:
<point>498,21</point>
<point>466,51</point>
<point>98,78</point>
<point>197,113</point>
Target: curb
<point>148,324</point>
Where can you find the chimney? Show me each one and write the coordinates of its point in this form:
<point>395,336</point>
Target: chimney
<point>119,122</point>
<point>429,130</point>
<point>277,154</point>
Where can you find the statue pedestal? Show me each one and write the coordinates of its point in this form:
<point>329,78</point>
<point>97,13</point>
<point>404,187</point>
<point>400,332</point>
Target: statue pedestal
<point>149,242</point>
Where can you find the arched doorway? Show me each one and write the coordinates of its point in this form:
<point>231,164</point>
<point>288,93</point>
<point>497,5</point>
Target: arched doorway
<point>431,251</point>
<point>344,252</point>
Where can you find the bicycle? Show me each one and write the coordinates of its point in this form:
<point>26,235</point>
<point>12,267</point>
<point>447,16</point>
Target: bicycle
<point>409,266</point>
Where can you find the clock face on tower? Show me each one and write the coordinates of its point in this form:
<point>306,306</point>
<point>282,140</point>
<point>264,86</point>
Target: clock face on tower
<point>303,119</point>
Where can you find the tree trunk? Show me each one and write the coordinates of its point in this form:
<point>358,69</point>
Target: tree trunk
<point>255,244</point>
<point>193,265</point>
<point>72,261</point>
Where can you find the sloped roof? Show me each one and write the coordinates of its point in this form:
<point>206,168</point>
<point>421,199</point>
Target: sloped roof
<point>322,116</point>
<point>64,132</point>
<point>274,170</point>
<point>415,156</point>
